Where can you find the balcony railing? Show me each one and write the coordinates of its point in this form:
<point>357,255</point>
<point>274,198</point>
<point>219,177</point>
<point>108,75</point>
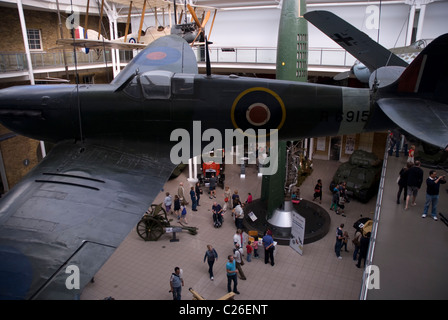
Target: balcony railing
<point>316,56</point>
<point>13,62</point>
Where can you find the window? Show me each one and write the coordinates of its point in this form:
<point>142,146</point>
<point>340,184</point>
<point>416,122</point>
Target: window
<point>34,39</point>
<point>133,88</point>
<point>156,84</point>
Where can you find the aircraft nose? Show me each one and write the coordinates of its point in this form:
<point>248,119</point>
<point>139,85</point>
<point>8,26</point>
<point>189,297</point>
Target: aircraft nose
<point>18,101</point>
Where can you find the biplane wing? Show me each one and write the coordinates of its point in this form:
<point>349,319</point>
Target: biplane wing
<point>99,44</point>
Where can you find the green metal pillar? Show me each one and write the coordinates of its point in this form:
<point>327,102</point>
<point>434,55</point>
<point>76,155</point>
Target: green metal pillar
<point>292,64</point>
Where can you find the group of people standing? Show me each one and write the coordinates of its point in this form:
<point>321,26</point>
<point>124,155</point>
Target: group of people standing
<point>178,205</point>
<point>234,262</point>
<point>339,198</point>
<point>410,181</point>
<point>360,241</point>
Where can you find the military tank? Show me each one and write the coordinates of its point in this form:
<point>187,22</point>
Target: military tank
<point>362,173</point>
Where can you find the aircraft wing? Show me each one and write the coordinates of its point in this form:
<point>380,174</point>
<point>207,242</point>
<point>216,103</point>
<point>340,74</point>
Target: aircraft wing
<point>99,44</point>
<point>407,114</point>
<point>357,43</point>
<point>70,213</point>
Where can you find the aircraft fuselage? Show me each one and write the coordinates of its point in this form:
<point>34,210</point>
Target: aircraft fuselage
<point>154,104</point>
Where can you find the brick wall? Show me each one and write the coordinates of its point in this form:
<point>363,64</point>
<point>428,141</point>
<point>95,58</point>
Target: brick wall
<point>47,22</point>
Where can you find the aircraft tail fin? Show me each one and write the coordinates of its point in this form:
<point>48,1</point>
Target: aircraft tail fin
<point>421,107</point>
<point>428,73</point>
<point>170,53</point>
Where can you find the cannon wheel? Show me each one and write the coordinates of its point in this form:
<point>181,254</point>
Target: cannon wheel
<point>150,229</point>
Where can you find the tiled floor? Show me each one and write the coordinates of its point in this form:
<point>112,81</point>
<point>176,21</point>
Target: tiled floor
<point>141,270</point>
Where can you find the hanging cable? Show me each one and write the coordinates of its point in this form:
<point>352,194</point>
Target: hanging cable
<point>78,102</point>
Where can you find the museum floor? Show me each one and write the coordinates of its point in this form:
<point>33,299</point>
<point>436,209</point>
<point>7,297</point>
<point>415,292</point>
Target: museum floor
<point>141,270</point>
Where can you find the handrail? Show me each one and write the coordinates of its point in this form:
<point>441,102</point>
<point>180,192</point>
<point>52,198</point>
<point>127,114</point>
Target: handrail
<point>16,61</point>
<point>376,219</point>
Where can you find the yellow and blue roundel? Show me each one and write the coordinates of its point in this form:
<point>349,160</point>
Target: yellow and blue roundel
<point>258,108</point>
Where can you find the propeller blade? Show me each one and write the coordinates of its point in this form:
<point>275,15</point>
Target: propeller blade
<point>204,22</point>
<point>193,14</point>
<point>342,75</point>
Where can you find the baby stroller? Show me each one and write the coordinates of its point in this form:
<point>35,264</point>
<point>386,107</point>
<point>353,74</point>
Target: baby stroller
<point>217,220</point>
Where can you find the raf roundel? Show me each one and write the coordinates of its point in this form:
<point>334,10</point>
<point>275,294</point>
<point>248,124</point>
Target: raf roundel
<point>159,56</point>
<point>258,108</point>
<point>258,114</point>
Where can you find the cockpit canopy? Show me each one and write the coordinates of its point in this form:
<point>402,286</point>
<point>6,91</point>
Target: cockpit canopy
<point>160,84</point>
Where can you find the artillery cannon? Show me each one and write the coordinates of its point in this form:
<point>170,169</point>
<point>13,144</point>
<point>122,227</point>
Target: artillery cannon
<point>154,223</point>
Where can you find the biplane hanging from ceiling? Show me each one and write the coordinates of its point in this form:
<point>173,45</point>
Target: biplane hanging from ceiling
<point>189,23</point>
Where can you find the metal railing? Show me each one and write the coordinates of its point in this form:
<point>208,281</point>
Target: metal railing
<point>13,62</point>
<point>316,56</point>
<point>374,232</point>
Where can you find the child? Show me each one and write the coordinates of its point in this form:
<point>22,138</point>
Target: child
<point>167,202</point>
<point>249,198</point>
<point>249,250</point>
<point>345,240</point>
<point>184,213</point>
<point>411,154</point>
<point>255,246</point>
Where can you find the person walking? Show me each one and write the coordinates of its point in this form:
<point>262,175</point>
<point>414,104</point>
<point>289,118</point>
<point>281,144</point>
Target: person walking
<point>411,154</point>
<point>339,241</point>
<point>183,212</point>
<point>181,193</point>
<point>432,193</point>
<point>403,182</point>
<point>177,206</point>
<point>232,275</point>
<point>249,250</point>
<point>168,202</point>
<point>356,242</point>
<point>363,249</point>
<point>212,186</point>
<point>318,191</point>
<point>238,237</point>
<point>335,199</point>
<point>211,256</point>
<point>415,180</point>
<point>227,198</point>
<point>268,244</point>
<point>198,191</point>
<point>395,140</point>
<point>176,283</point>
<point>193,199</point>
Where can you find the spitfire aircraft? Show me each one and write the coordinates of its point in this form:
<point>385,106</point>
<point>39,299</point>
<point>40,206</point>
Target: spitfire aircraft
<point>114,144</point>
